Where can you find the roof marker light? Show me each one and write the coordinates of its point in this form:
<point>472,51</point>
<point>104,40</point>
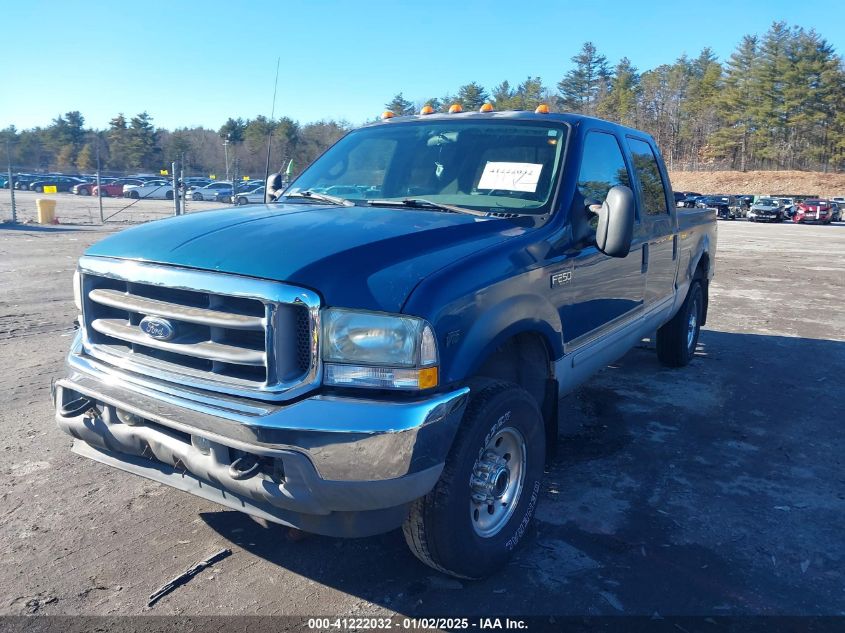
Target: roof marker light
<point>487,107</point>
<point>427,109</point>
<point>455,107</point>
<point>387,114</point>
<point>542,109</point>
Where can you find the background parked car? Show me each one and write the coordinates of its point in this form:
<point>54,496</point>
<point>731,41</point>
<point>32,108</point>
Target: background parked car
<point>836,209</point>
<point>766,210</point>
<point>249,197</point>
<point>726,206</point>
<point>153,189</point>
<point>115,189</point>
<point>209,192</point>
<point>61,183</point>
<point>813,211</point>
<point>87,188</point>
<point>22,181</point>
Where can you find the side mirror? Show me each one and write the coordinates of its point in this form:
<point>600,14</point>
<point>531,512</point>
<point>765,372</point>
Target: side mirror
<point>616,222</point>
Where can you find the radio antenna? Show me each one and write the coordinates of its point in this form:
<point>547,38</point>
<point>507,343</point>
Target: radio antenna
<point>270,132</point>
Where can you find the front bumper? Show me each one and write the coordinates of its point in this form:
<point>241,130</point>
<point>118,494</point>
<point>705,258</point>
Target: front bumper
<point>340,466</point>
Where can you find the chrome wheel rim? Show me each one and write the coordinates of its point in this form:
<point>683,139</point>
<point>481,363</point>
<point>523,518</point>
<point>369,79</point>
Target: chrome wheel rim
<point>692,325</point>
<point>496,483</point>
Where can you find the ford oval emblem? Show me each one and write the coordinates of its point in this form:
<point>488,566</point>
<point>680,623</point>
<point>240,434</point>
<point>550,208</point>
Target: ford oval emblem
<point>157,328</point>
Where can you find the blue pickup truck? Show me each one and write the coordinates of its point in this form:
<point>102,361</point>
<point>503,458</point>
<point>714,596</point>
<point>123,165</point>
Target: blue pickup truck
<point>385,344</point>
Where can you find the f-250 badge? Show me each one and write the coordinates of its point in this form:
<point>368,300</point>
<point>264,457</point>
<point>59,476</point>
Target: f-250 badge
<point>561,278</point>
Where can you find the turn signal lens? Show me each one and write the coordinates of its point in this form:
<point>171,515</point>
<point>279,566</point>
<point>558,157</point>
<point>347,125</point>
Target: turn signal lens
<point>455,107</point>
<point>542,109</point>
<point>387,114</point>
<point>427,109</point>
<point>427,378</point>
<point>487,107</point>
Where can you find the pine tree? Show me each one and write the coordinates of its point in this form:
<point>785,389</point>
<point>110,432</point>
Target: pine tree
<point>85,159</point>
<point>472,96</point>
<point>399,105</point>
<point>580,87</point>
<point>621,102</point>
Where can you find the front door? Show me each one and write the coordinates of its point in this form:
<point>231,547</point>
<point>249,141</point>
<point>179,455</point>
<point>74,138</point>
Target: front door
<point>605,290</point>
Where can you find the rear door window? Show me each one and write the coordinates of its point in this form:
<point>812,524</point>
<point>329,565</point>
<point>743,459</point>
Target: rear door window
<point>652,188</point>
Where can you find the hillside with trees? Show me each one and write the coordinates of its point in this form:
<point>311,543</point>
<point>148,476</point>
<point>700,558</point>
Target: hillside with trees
<point>777,103</point>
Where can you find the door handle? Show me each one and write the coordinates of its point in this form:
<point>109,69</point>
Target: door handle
<point>644,268</point>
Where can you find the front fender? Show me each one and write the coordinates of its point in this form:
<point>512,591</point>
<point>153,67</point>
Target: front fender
<point>493,326</point>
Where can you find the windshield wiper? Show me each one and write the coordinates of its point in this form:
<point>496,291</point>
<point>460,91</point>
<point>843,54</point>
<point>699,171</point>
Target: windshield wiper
<point>421,203</point>
<point>322,197</point>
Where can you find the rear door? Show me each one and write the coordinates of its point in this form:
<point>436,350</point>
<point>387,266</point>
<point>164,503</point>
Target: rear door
<point>604,291</point>
<point>660,256</point>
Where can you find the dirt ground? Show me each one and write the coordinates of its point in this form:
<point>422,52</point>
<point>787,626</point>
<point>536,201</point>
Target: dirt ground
<point>760,182</point>
<point>717,489</point>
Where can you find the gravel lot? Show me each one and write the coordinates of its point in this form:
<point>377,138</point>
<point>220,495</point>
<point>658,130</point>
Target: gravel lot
<point>717,489</point>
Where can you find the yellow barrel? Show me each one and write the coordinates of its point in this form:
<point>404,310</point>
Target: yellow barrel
<point>46,211</point>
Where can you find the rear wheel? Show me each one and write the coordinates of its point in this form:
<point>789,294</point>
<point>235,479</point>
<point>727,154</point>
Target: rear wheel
<point>134,195</point>
<point>242,201</point>
<point>39,189</point>
<point>677,339</point>
<point>197,197</point>
<point>169,195</point>
<point>478,512</point>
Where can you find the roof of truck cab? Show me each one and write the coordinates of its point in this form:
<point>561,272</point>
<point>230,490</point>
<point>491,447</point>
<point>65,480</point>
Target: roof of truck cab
<point>518,115</point>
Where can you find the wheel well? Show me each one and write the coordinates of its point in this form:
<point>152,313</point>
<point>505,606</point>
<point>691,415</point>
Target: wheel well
<point>526,359</point>
<point>702,274</point>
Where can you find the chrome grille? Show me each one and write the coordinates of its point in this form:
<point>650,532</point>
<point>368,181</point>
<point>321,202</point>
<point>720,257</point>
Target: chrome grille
<point>232,334</point>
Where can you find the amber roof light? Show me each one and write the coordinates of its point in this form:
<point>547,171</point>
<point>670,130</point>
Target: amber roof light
<point>427,109</point>
<point>387,114</point>
<point>487,107</point>
<point>542,109</point>
<point>455,107</point>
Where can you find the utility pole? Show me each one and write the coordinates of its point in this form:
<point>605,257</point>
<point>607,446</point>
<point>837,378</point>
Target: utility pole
<point>182,188</point>
<point>99,189</point>
<point>234,178</point>
<point>176,208</point>
<point>226,154</point>
<point>11,184</point>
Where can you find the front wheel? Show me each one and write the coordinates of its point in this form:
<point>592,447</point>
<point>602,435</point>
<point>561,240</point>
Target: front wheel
<point>478,512</point>
<point>242,201</point>
<point>677,339</point>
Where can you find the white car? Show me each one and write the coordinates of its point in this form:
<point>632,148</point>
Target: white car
<point>248,197</point>
<point>209,192</point>
<point>153,189</point>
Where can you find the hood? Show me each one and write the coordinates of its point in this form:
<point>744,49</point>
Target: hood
<point>357,257</point>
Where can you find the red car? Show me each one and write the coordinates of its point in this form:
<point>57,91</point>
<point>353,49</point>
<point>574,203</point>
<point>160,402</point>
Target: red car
<point>816,211</point>
<point>115,189</point>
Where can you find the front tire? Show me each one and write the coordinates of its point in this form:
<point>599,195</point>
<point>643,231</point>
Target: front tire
<point>470,523</point>
<point>677,339</point>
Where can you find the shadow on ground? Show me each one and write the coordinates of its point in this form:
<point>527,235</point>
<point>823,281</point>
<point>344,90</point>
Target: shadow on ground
<point>39,228</point>
<point>715,489</point>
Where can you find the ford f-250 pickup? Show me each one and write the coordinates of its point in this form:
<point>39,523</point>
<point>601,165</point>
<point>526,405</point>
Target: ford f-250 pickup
<point>394,357</point>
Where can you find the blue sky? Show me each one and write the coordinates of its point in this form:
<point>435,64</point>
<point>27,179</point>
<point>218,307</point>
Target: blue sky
<point>193,63</point>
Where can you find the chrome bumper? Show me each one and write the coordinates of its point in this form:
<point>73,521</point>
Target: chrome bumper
<point>321,455</point>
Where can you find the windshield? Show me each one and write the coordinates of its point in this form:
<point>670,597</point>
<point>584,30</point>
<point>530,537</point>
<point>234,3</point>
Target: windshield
<point>767,202</point>
<point>478,164</point>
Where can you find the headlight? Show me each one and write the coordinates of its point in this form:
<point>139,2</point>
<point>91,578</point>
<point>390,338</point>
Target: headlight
<point>77,290</point>
<point>384,351</point>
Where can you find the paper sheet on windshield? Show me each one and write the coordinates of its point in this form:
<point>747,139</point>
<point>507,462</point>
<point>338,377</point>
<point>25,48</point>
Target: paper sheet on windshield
<point>510,176</point>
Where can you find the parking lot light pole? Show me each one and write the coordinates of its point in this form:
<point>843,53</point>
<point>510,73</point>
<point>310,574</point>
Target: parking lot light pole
<point>11,184</point>
<point>226,154</point>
